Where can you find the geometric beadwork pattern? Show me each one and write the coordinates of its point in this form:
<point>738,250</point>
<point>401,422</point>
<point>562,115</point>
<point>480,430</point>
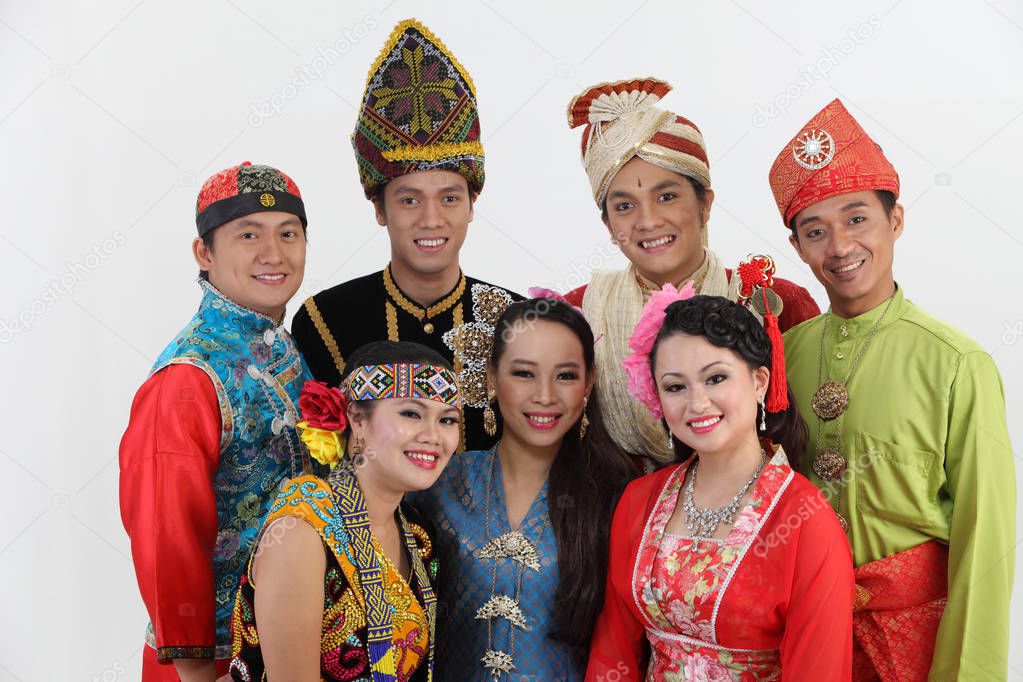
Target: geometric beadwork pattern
<point>418,113</point>
<point>403,380</point>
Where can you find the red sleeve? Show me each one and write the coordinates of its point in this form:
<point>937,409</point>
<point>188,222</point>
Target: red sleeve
<point>616,650</point>
<point>575,297</point>
<point>168,457</point>
<point>798,304</point>
<point>817,644</point>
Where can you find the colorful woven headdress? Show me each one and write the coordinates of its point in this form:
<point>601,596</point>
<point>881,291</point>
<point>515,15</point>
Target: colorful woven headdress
<point>831,155</point>
<point>622,122</point>
<point>418,113</point>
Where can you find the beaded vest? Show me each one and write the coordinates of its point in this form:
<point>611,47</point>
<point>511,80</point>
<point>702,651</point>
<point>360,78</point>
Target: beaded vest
<point>258,373</point>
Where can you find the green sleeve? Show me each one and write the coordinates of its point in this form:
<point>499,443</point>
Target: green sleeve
<point>973,639</point>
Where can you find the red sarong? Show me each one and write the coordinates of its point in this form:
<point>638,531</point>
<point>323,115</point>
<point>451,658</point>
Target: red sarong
<point>898,607</point>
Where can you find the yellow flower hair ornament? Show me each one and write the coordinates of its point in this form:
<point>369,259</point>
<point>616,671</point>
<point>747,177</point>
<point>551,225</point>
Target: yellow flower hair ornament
<point>324,446</point>
<point>324,420</point>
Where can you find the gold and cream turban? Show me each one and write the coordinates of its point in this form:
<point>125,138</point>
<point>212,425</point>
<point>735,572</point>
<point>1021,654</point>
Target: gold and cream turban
<point>622,122</point>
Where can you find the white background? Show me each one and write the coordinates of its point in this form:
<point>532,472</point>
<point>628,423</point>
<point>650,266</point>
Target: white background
<point>112,114</point>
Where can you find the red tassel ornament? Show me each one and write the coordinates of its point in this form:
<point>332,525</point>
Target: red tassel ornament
<point>778,388</point>
<point>758,271</point>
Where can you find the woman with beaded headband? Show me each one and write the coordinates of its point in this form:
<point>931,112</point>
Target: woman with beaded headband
<point>650,177</point>
<point>729,564</point>
<point>340,585</point>
<point>523,527</point>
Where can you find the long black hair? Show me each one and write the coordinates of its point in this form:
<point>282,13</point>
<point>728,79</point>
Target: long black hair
<point>727,324</point>
<point>584,484</point>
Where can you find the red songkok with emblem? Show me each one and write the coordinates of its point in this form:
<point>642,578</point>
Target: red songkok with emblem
<point>831,155</point>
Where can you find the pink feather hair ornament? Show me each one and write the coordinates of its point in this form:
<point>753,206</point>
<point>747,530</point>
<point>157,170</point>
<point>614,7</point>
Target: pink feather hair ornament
<point>637,363</point>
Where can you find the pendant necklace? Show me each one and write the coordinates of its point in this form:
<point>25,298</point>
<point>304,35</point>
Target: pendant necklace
<point>830,402</point>
<point>831,397</point>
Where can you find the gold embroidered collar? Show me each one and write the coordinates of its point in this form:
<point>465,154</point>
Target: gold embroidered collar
<point>416,310</point>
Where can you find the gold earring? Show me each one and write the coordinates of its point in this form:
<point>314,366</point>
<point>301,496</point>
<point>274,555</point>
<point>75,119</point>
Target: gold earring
<point>584,423</point>
<point>489,418</point>
<point>357,445</point>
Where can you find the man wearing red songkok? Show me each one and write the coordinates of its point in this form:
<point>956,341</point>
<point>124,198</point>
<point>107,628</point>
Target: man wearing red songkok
<point>908,438</point>
<point>209,438</point>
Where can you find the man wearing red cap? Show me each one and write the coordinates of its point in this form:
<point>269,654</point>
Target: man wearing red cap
<point>908,437</point>
<point>209,438</point>
<point>650,178</point>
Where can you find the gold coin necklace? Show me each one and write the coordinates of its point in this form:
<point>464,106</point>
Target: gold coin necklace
<point>830,402</point>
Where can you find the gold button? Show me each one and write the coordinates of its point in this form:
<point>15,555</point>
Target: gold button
<point>839,355</point>
<point>428,327</point>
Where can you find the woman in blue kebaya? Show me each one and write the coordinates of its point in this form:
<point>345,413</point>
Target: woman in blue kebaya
<point>522,529</point>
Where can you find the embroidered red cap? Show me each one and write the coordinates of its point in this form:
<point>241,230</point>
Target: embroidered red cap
<point>831,155</point>
<point>244,189</point>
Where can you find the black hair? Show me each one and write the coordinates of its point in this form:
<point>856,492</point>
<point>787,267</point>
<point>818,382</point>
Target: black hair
<point>886,198</point>
<point>701,195</point>
<point>727,324</point>
<point>387,353</point>
<point>584,484</point>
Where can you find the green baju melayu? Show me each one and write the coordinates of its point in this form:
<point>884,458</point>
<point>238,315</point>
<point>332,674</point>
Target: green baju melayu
<point>928,458</point>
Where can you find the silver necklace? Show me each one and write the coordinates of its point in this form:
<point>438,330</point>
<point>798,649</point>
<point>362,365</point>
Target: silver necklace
<point>702,523</point>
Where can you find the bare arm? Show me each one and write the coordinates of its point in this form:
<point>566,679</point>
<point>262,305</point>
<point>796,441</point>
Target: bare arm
<point>195,669</point>
<point>287,574</point>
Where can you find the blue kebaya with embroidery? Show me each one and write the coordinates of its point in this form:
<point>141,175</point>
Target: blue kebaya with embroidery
<point>468,509</point>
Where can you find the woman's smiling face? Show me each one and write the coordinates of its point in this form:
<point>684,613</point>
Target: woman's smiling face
<point>709,394</point>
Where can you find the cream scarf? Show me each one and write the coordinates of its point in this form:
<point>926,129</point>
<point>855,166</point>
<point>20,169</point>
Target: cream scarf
<point>612,304</point>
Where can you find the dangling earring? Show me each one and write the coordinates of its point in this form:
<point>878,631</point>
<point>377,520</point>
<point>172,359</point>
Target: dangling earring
<point>357,446</point>
<point>671,440</point>
<point>763,416</point>
<point>489,418</point>
<point>584,423</point>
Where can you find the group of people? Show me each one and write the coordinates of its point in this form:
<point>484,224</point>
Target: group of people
<point>432,476</point>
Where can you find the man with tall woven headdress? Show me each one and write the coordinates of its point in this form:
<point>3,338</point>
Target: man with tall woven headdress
<point>650,178</point>
<point>417,145</point>
<point>907,424</point>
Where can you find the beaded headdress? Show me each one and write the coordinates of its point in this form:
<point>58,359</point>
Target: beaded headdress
<point>418,113</point>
